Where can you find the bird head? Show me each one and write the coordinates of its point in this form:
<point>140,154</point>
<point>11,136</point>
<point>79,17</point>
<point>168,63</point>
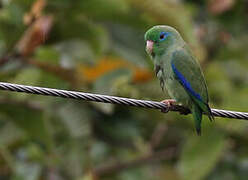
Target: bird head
<point>160,38</point>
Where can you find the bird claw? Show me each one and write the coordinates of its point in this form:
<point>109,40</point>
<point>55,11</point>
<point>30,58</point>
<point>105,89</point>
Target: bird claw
<point>184,112</point>
<point>165,110</point>
<point>169,103</point>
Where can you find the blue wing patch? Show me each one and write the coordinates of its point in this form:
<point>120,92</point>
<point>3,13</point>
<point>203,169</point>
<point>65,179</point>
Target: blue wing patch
<point>185,83</point>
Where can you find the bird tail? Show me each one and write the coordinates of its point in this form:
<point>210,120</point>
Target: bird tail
<point>204,108</point>
<point>197,115</point>
<point>209,113</point>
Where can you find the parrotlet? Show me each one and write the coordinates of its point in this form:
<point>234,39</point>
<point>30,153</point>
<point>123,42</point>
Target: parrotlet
<point>178,71</point>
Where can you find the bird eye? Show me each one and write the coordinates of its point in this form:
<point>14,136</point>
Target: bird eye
<point>163,35</point>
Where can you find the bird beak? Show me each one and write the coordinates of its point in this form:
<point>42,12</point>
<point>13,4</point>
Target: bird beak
<point>149,46</point>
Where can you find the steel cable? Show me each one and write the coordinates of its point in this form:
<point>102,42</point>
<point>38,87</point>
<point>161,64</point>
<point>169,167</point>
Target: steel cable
<point>114,100</point>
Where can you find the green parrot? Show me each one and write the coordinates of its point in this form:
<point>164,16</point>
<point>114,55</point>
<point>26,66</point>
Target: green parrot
<point>178,71</point>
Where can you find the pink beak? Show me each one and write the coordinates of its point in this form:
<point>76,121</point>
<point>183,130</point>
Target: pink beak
<point>149,46</point>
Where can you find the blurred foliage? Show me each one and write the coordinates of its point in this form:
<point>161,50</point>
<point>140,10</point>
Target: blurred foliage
<point>97,46</point>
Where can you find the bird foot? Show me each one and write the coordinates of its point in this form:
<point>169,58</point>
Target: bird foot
<point>169,103</point>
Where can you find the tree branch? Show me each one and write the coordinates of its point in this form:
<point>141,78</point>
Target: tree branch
<point>119,166</point>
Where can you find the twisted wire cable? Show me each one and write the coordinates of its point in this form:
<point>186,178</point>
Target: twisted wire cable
<point>114,100</point>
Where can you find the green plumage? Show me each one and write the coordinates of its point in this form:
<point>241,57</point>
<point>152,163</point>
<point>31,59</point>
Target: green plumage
<point>185,83</point>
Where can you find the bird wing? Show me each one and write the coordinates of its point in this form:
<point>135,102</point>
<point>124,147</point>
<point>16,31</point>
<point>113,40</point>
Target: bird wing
<point>188,72</point>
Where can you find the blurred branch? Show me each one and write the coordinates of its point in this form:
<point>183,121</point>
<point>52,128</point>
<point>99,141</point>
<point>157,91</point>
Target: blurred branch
<point>146,159</point>
<point>63,73</point>
<point>38,28</point>
<point>35,12</point>
<point>35,35</point>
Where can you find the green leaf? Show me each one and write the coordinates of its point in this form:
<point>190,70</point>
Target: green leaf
<point>104,83</point>
<point>7,138</point>
<point>48,54</point>
<point>74,51</point>
<point>27,171</point>
<point>201,153</point>
<point>76,119</point>
<point>30,120</point>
